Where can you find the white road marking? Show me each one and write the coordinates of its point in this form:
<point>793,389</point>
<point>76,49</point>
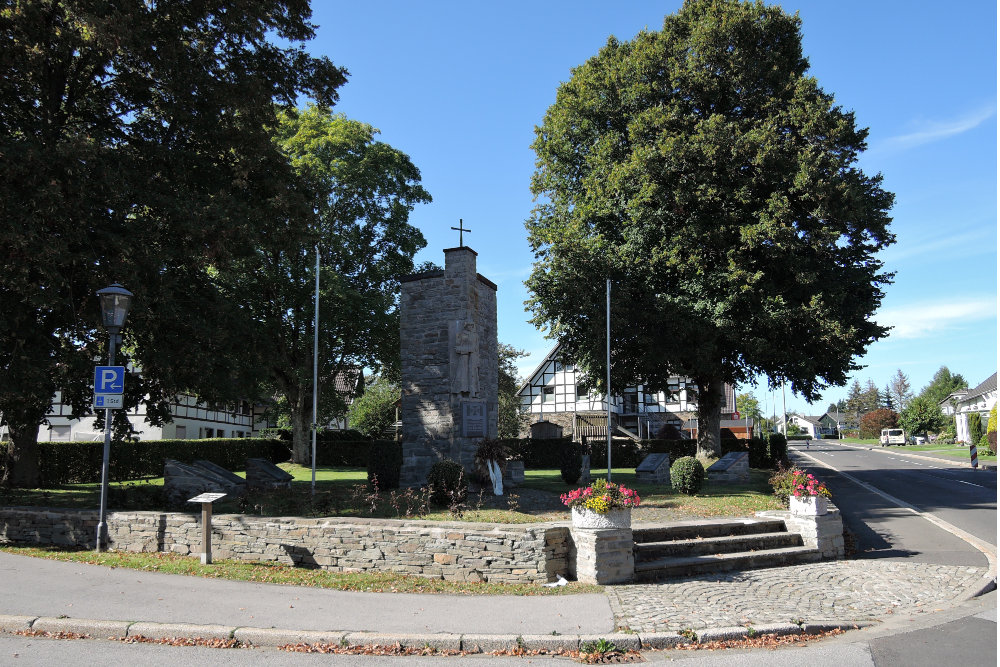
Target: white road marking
<point>962,481</point>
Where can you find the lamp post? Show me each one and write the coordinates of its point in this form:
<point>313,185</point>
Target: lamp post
<point>115,303</point>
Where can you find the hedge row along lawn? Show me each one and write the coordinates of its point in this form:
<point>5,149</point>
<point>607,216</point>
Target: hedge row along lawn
<point>274,573</point>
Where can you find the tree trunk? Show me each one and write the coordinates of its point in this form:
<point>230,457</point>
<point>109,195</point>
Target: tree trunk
<point>20,462</point>
<point>300,418</point>
<point>709,416</point>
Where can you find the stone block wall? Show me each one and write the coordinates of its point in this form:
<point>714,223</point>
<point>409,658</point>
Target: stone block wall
<point>528,553</point>
<point>431,411</point>
<point>824,532</point>
<point>604,556</point>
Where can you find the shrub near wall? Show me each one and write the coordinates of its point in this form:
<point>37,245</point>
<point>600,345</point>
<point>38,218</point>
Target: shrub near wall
<point>80,462</point>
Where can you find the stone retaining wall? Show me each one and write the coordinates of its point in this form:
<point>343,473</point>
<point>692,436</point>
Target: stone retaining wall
<point>528,553</point>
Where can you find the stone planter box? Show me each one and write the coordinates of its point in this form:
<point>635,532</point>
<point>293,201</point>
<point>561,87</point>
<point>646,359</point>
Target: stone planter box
<point>588,519</point>
<point>808,505</point>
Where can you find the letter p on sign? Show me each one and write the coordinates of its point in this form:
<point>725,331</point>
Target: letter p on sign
<point>109,379</point>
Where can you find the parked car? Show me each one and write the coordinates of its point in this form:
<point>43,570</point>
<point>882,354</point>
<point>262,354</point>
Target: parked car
<point>892,436</point>
<point>918,440</point>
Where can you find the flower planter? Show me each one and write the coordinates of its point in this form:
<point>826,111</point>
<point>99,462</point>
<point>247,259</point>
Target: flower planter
<point>614,518</point>
<point>808,505</point>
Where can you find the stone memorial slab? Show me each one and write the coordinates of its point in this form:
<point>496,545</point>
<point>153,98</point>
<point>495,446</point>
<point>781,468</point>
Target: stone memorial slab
<point>654,469</point>
<point>182,481</point>
<point>473,419</point>
<point>232,482</point>
<point>732,468</point>
<point>262,474</point>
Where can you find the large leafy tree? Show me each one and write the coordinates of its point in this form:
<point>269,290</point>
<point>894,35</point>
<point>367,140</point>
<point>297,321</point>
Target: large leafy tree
<point>921,415</point>
<point>705,173</point>
<point>134,147</point>
<point>358,194</point>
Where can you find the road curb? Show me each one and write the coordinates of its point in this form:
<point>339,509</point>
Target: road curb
<point>472,643</point>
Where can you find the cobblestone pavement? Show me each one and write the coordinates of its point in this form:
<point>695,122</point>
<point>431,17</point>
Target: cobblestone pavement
<point>833,591</point>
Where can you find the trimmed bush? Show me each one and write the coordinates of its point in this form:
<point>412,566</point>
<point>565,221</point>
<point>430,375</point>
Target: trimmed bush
<point>80,462</point>
<point>447,483</point>
<point>687,474</point>
<point>759,457</point>
<point>777,447</point>
<point>571,463</point>
<point>385,460</point>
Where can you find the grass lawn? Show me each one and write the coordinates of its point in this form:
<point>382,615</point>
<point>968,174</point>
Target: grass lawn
<point>276,573</point>
<point>951,451</point>
<point>713,500</point>
<point>343,492</point>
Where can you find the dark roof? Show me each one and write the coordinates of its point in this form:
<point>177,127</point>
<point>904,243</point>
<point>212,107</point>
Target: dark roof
<point>986,386</point>
<point>346,382</point>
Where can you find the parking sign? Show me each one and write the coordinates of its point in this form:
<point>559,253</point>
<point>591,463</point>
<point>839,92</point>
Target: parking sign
<point>109,387</point>
<point>109,379</point>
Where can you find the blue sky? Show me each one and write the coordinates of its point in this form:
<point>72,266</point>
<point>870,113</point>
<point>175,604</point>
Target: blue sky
<point>460,86</point>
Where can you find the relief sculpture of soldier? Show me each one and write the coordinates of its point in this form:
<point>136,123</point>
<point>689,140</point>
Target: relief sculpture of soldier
<point>465,378</point>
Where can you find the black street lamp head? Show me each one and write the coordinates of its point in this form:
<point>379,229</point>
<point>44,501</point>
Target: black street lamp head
<point>115,304</point>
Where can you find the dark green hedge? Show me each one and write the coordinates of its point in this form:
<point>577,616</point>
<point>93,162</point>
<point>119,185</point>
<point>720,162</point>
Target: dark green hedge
<point>349,435</point>
<point>625,453</point>
<point>344,453</point>
<point>80,462</point>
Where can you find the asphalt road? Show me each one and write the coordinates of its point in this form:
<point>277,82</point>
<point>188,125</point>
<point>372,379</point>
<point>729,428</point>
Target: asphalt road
<point>956,494</point>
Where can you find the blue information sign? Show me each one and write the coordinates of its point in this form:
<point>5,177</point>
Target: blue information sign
<point>109,379</point>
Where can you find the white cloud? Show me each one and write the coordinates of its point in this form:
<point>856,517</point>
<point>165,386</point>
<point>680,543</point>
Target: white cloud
<point>981,240</point>
<point>920,320</point>
<point>936,130</point>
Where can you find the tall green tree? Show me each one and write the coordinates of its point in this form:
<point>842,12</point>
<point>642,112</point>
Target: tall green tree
<point>375,410</point>
<point>705,173</point>
<point>358,195</point>
<point>921,415</point>
<point>511,417</point>
<point>943,383</point>
<point>134,147</point>
<point>900,389</point>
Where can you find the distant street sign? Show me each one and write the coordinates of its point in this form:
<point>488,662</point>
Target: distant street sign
<point>736,415</point>
<point>108,401</point>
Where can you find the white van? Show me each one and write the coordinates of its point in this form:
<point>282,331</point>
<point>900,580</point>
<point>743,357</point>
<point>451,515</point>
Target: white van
<point>892,436</point>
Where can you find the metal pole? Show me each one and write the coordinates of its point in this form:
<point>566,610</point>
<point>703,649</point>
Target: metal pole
<point>105,463</point>
<point>784,411</point>
<point>315,419</point>
<point>608,309</point>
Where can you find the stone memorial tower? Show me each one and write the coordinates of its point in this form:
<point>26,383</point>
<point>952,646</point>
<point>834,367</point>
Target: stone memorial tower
<point>448,345</point>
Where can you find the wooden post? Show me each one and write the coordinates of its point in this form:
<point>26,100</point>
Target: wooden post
<point>206,533</point>
<point>206,500</point>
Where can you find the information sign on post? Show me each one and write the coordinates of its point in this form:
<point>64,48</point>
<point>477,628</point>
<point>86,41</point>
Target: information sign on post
<point>109,387</point>
<point>206,500</point>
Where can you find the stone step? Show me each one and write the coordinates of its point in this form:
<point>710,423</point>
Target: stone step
<point>651,551</point>
<point>665,568</point>
<point>690,530</point>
